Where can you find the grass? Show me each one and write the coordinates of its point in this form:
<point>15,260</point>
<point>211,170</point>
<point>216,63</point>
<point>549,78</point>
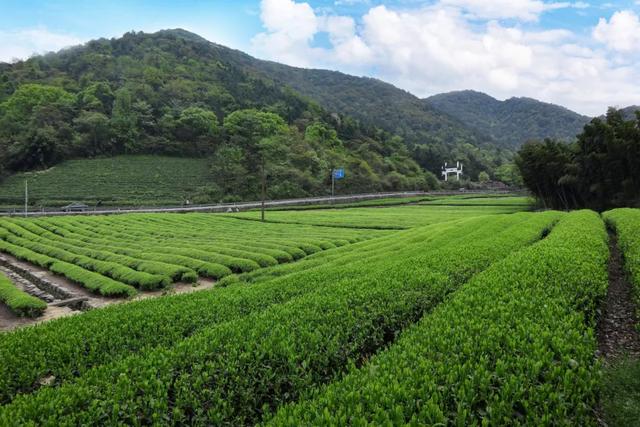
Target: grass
<point>387,201</point>
<point>458,200</point>
<point>120,180</point>
<point>513,346</point>
<point>620,398</point>
<point>621,381</point>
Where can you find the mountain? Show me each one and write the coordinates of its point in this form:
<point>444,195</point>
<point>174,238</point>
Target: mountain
<point>170,71</point>
<point>373,102</point>
<point>510,122</point>
<point>433,136</point>
<point>174,93</point>
<point>630,111</point>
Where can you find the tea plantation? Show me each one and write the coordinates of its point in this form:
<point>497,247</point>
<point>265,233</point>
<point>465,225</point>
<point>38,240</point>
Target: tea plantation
<point>427,314</point>
<point>117,181</point>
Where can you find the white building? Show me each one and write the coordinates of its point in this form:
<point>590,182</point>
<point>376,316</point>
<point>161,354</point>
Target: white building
<point>447,170</point>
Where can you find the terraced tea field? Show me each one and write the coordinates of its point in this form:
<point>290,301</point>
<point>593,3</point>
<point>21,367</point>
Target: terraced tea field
<point>420,314</point>
<point>391,218</point>
<point>110,181</point>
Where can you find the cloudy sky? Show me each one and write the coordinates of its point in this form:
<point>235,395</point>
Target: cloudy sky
<point>584,55</point>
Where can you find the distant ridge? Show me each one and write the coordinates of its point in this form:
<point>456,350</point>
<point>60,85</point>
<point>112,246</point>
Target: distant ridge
<point>510,122</point>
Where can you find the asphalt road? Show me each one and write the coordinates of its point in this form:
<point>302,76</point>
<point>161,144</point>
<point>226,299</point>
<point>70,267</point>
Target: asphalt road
<point>241,206</point>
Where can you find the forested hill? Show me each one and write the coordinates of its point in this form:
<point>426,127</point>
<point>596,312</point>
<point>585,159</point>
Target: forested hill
<point>629,113</point>
<point>373,102</point>
<point>513,121</point>
<point>174,93</point>
<point>153,93</point>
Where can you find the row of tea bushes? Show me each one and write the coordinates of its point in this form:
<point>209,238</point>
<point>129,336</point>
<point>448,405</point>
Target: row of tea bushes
<point>231,371</point>
<point>95,282</point>
<point>18,301</point>
<point>626,222</point>
<point>515,346</point>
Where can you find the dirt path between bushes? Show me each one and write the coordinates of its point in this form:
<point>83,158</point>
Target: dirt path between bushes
<point>617,331</point>
<point>9,321</point>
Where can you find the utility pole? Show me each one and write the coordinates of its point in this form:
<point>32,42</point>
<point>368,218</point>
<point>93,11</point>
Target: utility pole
<point>333,183</point>
<point>264,192</point>
<point>26,197</point>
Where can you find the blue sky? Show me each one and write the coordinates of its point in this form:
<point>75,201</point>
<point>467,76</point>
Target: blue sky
<point>581,54</point>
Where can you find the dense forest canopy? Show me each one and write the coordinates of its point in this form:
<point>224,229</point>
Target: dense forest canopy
<point>600,170</point>
<point>513,121</point>
<point>174,93</point>
<point>433,136</point>
<point>130,95</point>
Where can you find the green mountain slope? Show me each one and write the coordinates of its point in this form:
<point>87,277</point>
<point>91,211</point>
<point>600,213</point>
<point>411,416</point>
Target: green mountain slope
<point>167,72</point>
<point>433,136</point>
<point>630,111</point>
<point>373,102</point>
<point>510,122</point>
<point>174,93</point>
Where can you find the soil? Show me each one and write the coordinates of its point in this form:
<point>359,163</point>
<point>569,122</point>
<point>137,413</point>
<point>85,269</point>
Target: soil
<point>617,328</point>
<point>9,321</point>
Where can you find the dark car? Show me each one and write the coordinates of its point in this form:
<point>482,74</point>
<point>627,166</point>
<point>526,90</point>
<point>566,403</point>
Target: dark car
<point>75,207</point>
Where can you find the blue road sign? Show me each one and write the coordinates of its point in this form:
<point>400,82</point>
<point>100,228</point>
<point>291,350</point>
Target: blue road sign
<point>338,173</point>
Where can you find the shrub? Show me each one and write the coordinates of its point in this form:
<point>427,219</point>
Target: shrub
<point>19,301</point>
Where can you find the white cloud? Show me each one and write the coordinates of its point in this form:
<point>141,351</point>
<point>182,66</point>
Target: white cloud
<point>621,32</point>
<point>525,10</point>
<point>439,48</point>
<point>26,42</point>
<point>290,28</point>
<point>350,2</point>
<point>295,20</point>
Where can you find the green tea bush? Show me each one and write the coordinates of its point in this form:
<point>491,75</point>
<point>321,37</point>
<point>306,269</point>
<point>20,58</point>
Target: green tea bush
<point>64,341</point>
<point>230,372</point>
<point>626,222</point>
<point>515,346</point>
<point>18,301</point>
<point>92,281</point>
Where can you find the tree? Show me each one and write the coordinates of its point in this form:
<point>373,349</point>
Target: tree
<point>247,127</point>
<point>97,97</point>
<point>607,161</point>
<point>509,174</point>
<point>545,169</point>
<point>320,133</point>
<point>259,134</point>
<point>33,126</point>
<point>17,111</point>
<point>268,150</point>
<point>164,94</point>
<point>124,122</point>
<point>600,171</point>
<point>94,132</point>
<point>228,170</point>
<point>196,122</point>
<point>483,177</point>
<point>37,148</point>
